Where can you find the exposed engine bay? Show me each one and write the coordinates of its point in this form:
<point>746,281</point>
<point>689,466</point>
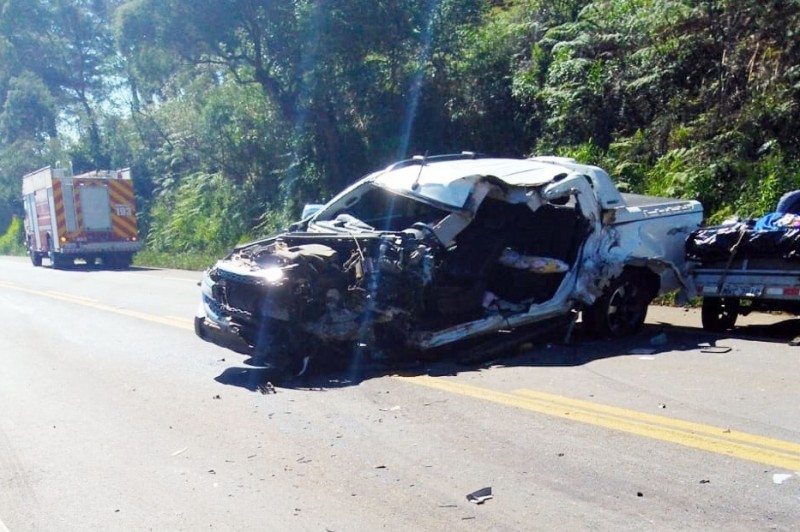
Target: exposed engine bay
<point>305,290</point>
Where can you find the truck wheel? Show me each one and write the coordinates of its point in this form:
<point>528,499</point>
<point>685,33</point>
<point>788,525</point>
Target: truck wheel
<point>622,308</point>
<point>59,260</point>
<point>119,262</point>
<point>36,259</point>
<point>719,313</point>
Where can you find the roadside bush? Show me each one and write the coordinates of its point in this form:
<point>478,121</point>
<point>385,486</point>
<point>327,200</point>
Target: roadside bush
<point>201,213</point>
<point>11,243</point>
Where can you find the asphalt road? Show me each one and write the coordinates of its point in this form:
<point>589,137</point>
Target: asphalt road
<point>114,416</point>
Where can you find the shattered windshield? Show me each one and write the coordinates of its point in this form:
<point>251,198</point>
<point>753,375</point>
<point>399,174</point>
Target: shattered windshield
<point>373,208</point>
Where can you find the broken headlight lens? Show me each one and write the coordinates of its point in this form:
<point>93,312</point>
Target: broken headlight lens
<point>272,275</point>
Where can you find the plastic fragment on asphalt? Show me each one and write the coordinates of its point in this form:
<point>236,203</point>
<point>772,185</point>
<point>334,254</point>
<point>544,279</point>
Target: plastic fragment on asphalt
<point>480,496</point>
<point>780,478</point>
<point>716,349</point>
<point>180,451</point>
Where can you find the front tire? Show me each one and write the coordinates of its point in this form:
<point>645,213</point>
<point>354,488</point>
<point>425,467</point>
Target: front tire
<point>622,308</point>
<point>719,313</point>
<point>36,258</point>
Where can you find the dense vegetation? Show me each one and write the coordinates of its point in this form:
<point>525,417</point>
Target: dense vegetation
<point>234,113</point>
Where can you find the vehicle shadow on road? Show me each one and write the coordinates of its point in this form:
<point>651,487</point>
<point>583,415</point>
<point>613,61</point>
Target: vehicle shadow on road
<point>82,267</point>
<point>548,350</point>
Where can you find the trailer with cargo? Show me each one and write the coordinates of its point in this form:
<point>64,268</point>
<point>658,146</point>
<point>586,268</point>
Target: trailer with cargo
<point>741,268</point>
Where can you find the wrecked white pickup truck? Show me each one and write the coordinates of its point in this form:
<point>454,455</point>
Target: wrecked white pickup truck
<point>436,250</point>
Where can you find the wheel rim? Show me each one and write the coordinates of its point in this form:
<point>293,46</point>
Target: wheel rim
<point>625,310</point>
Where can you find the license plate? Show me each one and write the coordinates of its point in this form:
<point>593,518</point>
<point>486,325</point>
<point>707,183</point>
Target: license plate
<point>742,290</point>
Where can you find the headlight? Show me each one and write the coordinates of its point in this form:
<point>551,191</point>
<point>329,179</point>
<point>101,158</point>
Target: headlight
<point>272,275</point>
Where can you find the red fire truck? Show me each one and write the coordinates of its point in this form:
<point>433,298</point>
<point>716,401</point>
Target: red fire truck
<point>89,216</point>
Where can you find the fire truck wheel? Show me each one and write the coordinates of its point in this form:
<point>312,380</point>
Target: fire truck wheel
<point>120,262</point>
<point>36,259</point>
<point>59,260</point>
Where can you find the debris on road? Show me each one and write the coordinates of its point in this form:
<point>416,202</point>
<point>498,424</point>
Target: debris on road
<point>480,496</point>
<point>716,349</point>
<point>780,478</point>
<point>180,451</point>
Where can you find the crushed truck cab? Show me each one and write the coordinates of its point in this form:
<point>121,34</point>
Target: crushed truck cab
<point>437,250</point>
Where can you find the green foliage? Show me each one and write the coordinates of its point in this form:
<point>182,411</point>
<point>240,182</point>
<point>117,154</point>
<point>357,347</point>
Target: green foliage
<point>202,213</point>
<point>184,260</point>
<point>12,241</point>
<point>232,114</point>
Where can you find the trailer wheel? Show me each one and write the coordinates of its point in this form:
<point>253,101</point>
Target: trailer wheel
<point>719,313</point>
<point>622,308</point>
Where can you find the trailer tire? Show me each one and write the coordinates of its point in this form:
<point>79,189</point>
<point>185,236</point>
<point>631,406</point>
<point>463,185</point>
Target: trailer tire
<point>621,309</point>
<point>719,313</point>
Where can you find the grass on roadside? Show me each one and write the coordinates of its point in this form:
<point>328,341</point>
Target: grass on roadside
<point>11,240</point>
<point>188,260</point>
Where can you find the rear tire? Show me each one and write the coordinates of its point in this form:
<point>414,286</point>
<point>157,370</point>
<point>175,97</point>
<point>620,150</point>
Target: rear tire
<point>719,313</point>
<point>36,258</point>
<point>622,308</point>
<point>59,260</point>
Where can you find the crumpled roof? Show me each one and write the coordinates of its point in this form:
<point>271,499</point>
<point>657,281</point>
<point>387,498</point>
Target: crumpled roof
<point>450,182</point>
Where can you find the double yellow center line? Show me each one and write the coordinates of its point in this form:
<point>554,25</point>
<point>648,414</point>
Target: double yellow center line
<point>173,321</point>
<point>778,453</point>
